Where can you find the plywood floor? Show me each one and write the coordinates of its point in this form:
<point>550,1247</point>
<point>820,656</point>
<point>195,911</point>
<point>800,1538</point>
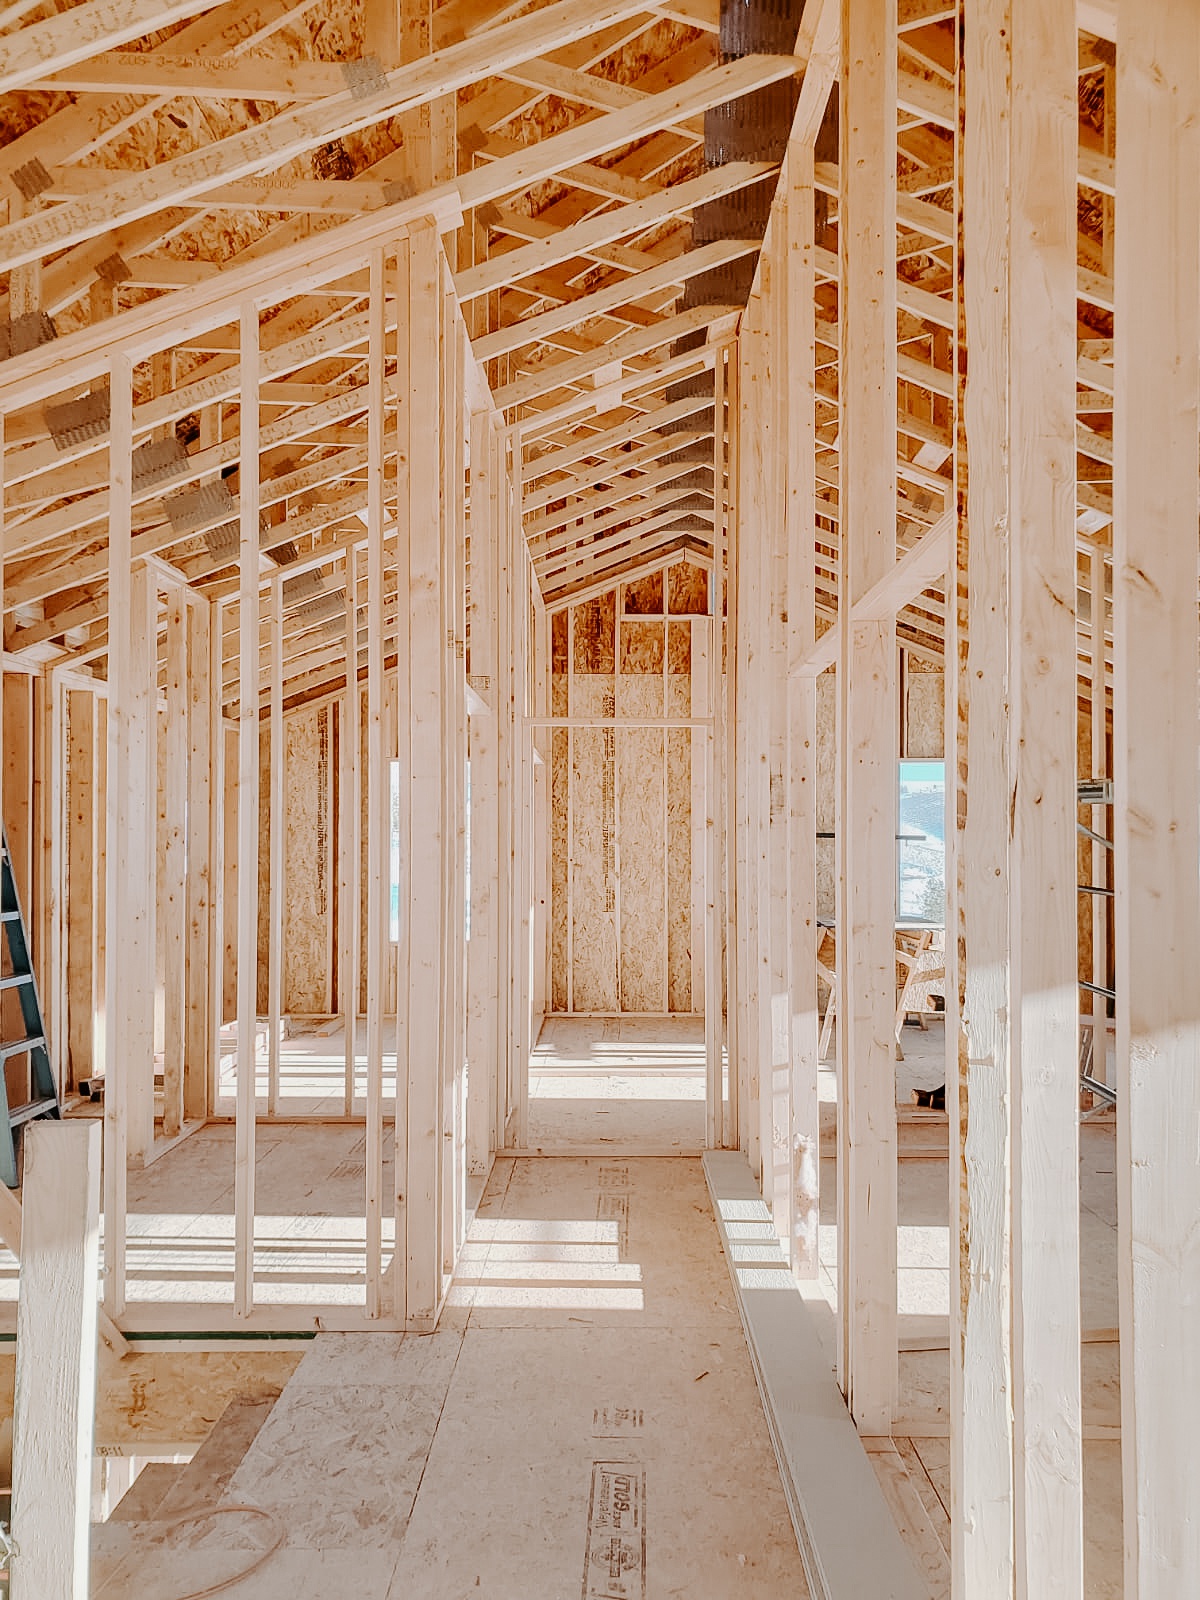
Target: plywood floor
<point>590,1370</point>
<point>630,1082</point>
<point>923,1290</point>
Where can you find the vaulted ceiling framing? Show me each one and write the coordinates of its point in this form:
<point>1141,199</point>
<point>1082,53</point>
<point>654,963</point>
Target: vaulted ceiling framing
<point>145,157</point>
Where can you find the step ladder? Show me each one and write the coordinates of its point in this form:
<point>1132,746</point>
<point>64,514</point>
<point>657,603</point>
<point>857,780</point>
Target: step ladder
<point>18,975</point>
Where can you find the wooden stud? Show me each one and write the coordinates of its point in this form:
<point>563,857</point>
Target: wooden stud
<point>406,400</point>
<point>172,934</point>
<point>799,361</point>
<point>55,1396</point>
<point>203,800</point>
<point>1155,714</point>
<point>118,954</point>
<point>378,797</point>
<point>277,845</point>
<point>424,900</point>
<point>80,909</point>
<point>1018,1470</point>
<point>867,724</point>
<point>483,973</point>
<point>247,815</point>
<point>139,859</point>
<point>350,811</point>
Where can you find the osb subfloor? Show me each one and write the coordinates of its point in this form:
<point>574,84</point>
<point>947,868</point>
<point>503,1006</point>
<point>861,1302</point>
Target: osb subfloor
<point>924,1304</point>
<point>585,1422</point>
<point>630,1082</point>
<point>312,1069</point>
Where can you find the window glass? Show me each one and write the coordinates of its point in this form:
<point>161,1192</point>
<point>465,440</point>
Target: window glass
<point>921,843</point>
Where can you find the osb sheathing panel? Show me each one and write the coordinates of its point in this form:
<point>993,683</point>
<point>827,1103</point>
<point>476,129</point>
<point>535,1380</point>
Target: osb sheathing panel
<point>924,707</point>
<point>645,597</point>
<point>629,830</point>
<point>559,840</point>
<point>595,636</point>
<point>679,867</point>
<point>559,663</point>
<point>307,901</point>
<point>679,649</point>
<point>643,645</point>
<point>641,806</point>
<point>593,855</point>
<point>687,590</point>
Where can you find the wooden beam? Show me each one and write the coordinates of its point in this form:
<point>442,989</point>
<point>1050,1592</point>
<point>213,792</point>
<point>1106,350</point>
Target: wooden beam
<point>616,466</point>
<point>867,726</point>
<point>533,330</point>
<point>1155,716</point>
<point>247,816</point>
<point>1017,1464</point>
<point>565,244</point>
<point>40,48</point>
<point>119,821</point>
<point>378,802</point>
<point>55,1398</point>
<point>350,817</point>
<point>173,920</point>
<point>424,900</point>
<point>599,365</point>
<point>153,72</point>
<point>577,518</point>
<point>270,145</point>
<point>276,844</point>
<point>620,391</point>
<point>596,444</point>
<point>574,547</point>
<point>589,139</point>
<point>801,718</point>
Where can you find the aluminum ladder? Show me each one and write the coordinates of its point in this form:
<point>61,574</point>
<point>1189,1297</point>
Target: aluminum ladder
<point>17,974</point>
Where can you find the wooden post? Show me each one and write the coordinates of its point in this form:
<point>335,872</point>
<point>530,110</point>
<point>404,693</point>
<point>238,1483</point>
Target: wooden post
<point>868,722</point>
<point>1155,717</point>
<point>203,799</point>
<point>728,422</point>
<point>519,639</point>
<point>1098,854</point>
<point>247,817</point>
<point>83,857</point>
<point>482,987</point>
<point>744,810</point>
<point>277,844</point>
<point>714,797</point>
<point>508,448</point>
<point>349,815</point>
<point>799,365</point>
<point>119,966</point>
<point>216,853</point>
<point>425,908</point>
<point>174,889</point>
<point>378,796</point>
<point>138,798</point>
<point>777,1091</point>
<point>454,544</point>
<point>405,401</point>
<point>55,1399</point>
<point>1017,1462</point>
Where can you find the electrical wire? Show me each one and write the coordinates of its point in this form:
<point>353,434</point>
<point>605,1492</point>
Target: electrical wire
<point>230,1511</point>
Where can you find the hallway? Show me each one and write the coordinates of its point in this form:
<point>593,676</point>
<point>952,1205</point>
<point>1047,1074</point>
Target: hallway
<point>584,1421</point>
<point>630,1083</point>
